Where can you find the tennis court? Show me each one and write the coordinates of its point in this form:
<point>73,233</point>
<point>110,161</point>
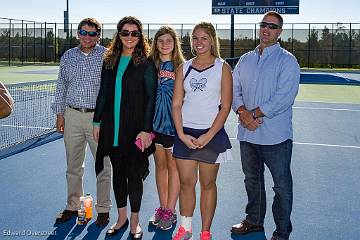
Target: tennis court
<point>325,169</point>
<point>32,88</point>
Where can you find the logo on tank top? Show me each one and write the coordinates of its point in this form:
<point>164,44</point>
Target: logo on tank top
<point>196,84</point>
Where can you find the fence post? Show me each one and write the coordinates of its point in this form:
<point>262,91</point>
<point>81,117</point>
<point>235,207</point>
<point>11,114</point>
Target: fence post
<point>34,44</point>
<point>232,38</point>
<point>55,43</point>
<point>255,30</point>
<point>45,43</point>
<point>332,46</point>
<point>148,31</point>
<point>292,38</point>
<point>9,58</point>
<point>70,36</point>
<point>350,43</point>
<point>309,46</point>
<point>102,34</point>
<point>22,42</point>
<point>181,31</point>
<point>41,50</point>
<point>26,36</point>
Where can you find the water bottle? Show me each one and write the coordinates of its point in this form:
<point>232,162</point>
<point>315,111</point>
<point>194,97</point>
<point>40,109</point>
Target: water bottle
<point>88,206</point>
<point>81,212</point>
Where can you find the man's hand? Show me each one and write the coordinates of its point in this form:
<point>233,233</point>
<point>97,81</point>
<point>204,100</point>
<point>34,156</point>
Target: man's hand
<point>60,123</point>
<point>247,120</point>
<point>96,131</point>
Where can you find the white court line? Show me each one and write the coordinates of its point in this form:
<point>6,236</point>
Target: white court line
<point>14,126</point>
<point>327,145</point>
<point>304,101</point>
<point>340,75</point>
<point>332,109</point>
<point>319,144</point>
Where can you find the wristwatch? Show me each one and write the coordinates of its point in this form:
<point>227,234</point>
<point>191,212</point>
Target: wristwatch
<point>253,113</point>
<point>239,112</point>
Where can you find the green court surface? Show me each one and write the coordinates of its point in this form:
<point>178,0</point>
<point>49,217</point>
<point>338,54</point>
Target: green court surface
<point>329,93</point>
<point>33,73</point>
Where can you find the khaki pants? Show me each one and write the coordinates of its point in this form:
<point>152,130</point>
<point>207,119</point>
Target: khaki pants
<point>77,133</point>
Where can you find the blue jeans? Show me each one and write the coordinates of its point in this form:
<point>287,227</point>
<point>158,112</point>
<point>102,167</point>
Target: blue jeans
<point>277,158</point>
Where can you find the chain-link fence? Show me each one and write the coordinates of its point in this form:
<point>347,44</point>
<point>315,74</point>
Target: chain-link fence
<point>327,45</point>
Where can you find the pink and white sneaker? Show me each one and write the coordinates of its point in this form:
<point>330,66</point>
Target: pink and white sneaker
<point>155,219</point>
<point>182,234</point>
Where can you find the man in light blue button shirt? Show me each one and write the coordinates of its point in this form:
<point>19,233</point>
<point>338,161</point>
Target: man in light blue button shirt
<point>266,82</point>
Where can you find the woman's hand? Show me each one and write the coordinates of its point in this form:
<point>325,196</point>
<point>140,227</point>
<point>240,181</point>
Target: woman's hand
<point>145,139</point>
<point>96,131</point>
<point>189,141</point>
<point>203,140</point>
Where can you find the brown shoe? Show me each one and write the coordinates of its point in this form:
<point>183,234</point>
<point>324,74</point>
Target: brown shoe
<point>102,219</point>
<point>245,227</point>
<point>65,216</point>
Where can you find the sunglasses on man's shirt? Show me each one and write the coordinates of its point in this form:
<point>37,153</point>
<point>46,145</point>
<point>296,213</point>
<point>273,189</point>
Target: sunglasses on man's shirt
<point>126,33</point>
<point>269,25</point>
<point>83,33</point>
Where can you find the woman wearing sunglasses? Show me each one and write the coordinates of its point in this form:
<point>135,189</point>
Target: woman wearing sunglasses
<point>124,113</point>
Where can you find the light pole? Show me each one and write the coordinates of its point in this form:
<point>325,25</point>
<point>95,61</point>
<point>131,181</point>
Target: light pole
<point>66,19</point>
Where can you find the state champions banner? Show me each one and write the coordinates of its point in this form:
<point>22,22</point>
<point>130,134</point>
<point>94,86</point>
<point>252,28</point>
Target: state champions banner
<point>254,7</point>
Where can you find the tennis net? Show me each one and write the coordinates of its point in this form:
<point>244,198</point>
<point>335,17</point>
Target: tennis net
<point>32,117</point>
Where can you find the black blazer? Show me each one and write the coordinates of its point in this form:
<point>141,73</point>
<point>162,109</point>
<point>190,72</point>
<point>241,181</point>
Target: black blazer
<point>137,109</point>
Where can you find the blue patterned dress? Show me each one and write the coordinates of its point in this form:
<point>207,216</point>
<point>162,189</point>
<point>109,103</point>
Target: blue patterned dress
<point>163,122</point>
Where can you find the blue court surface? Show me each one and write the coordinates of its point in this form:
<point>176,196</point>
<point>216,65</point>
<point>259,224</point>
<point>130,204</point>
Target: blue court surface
<point>338,78</point>
<point>325,165</point>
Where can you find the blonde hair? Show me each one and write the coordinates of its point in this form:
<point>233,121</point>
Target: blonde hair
<point>210,30</point>
<point>177,56</point>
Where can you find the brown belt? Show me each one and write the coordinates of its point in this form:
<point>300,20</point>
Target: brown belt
<point>83,110</point>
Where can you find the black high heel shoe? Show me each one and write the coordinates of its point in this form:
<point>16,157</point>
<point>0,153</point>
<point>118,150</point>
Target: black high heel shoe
<point>137,235</point>
<point>113,231</point>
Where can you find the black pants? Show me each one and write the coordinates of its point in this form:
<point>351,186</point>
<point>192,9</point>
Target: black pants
<point>127,181</point>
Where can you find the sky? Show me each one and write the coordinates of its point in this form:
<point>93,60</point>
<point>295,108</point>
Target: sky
<point>169,11</point>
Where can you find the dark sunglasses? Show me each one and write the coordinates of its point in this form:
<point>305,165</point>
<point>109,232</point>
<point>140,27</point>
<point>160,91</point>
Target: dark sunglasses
<point>125,33</point>
<point>82,32</point>
<point>269,25</point>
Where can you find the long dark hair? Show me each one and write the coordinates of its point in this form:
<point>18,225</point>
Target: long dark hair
<point>115,48</point>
